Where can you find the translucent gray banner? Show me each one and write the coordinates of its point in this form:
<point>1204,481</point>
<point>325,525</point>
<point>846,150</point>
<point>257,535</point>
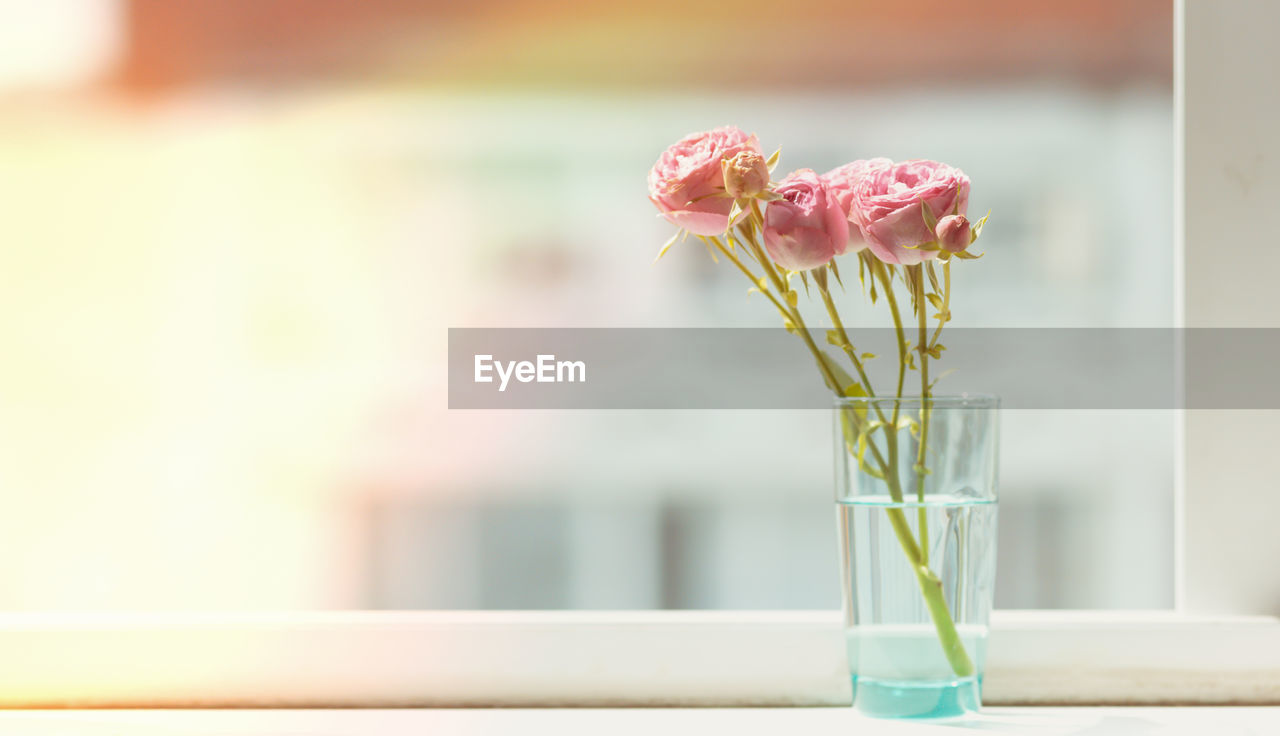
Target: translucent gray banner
<point>1064,368</point>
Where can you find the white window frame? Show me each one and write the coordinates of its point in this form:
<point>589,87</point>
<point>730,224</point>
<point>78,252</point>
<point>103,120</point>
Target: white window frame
<point>1226,116</point>
<point>1219,645</point>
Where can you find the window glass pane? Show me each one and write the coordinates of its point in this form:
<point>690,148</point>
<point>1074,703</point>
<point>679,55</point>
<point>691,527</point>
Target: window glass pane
<point>230,258</point>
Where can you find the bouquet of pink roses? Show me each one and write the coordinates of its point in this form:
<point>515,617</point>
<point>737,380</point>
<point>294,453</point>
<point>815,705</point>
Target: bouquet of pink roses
<point>905,222</point>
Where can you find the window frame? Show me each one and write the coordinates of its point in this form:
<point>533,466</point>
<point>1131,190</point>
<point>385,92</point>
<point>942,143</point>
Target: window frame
<point>1223,133</point>
<point>1214,647</point>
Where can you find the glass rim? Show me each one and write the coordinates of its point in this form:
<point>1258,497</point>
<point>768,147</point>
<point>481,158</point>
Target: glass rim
<point>962,400</point>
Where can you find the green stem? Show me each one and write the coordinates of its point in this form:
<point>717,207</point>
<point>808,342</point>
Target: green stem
<point>917,554</point>
<point>920,470</point>
<point>935,601</point>
<point>948,636</point>
<point>888,469</point>
<point>879,270</point>
<point>930,585</point>
<point>946,301</point>
<point>733,258</point>
<point>882,272</point>
<point>820,278</point>
<point>792,314</point>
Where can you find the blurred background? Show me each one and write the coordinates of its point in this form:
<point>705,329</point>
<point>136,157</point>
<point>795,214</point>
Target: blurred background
<point>233,234</point>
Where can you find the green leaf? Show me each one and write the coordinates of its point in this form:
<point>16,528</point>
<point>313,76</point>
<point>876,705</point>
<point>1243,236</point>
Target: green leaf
<point>864,467</point>
<point>867,356</point>
<point>835,271</point>
<point>668,245</point>
<point>941,376</point>
<point>935,300</point>
<point>977,227</point>
<point>861,452</point>
<point>848,386</point>
<point>848,420</point>
<point>933,276</point>
<point>735,211</point>
<point>710,249</point>
<point>833,337</point>
<point>773,160</point>
<point>848,417</point>
<point>929,219</point>
<point>793,298</point>
<point>966,255</point>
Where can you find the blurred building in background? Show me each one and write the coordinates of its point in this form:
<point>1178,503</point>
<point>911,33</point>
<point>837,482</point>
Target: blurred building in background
<point>233,234</point>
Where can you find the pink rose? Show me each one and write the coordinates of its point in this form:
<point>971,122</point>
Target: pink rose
<point>886,206</point>
<point>807,227</point>
<point>953,233</point>
<point>840,181</point>
<point>687,178</point>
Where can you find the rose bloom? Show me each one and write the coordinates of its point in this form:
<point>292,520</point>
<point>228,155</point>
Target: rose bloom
<point>886,206</point>
<point>840,181</point>
<point>683,182</point>
<point>807,227</point>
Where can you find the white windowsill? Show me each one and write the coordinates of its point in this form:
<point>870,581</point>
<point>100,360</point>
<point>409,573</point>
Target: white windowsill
<point>1110,721</point>
<point>600,659</point>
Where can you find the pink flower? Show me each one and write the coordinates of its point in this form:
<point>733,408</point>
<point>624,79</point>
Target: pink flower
<point>886,206</point>
<point>687,178</point>
<point>745,175</point>
<point>953,233</point>
<point>840,181</point>
<point>807,227</point>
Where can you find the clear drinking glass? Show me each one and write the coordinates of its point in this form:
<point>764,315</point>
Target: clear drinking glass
<point>916,509</point>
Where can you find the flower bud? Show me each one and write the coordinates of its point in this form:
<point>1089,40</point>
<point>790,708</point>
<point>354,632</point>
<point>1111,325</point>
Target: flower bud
<point>953,233</point>
<point>745,175</point>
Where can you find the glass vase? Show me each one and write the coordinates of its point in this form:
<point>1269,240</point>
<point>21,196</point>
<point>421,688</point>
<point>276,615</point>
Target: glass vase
<point>916,512</point>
